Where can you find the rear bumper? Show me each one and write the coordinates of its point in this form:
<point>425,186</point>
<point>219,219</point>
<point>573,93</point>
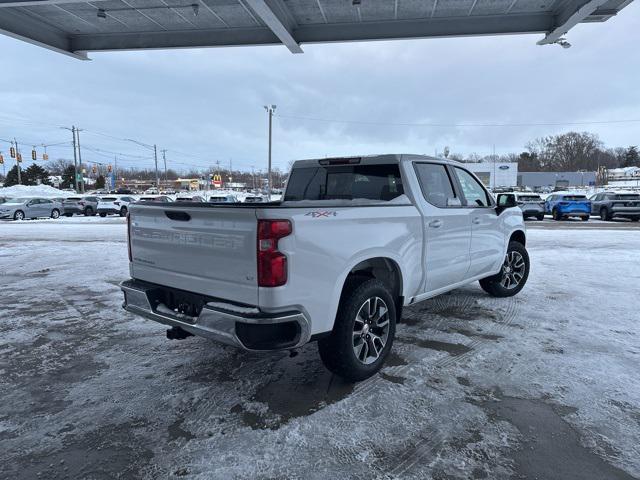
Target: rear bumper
<point>625,212</point>
<point>72,210</point>
<point>250,329</point>
<point>109,211</point>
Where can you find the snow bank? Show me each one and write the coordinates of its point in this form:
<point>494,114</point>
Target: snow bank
<point>31,191</point>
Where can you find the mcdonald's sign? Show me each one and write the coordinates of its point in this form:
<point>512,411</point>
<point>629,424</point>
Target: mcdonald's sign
<point>217,180</point>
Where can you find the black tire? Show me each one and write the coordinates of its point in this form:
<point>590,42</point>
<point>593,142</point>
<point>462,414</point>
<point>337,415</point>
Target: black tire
<point>604,214</point>
<point>103,214</point>
<point>68,214</point>
<point>556,214</point>
<point>337,351</point>
<point>494,285</point>
<point>55,213</point>
<point>634,219</point>
<point>18,215</point>
<point>584,219</point>
<point>123,212</point>
<point>540,217</point>
<point>88,211</point>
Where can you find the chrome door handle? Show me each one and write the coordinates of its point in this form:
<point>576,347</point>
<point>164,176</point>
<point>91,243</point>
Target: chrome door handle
<point>476,221</point>
<point>435,223</point>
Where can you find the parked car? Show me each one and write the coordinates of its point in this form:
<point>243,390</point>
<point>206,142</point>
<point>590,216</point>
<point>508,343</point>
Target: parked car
<point>87,206</point>
<point>611,205</point>
<point>114,205</point>
<point>531,204</point>
<point>151,191</point>
<point>354,241</point>
<point>22,208</point>
<point>194,198</point>
<point>564,205</point>
<point>254,199</point>
<point>222,198</point>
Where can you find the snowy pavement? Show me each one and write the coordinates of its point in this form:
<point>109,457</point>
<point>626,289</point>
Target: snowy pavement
<point>544,385</point>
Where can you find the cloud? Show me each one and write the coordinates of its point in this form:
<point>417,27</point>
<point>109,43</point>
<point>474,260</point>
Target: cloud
<point>206,105</point>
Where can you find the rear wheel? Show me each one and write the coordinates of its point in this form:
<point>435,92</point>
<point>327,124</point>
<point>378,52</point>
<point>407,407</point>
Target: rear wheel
<point>512,276</point>
<point>68,214</point>
<point>363,333</point>
<point>19,215</point>
<point>123,212</point>
<point>540,217</point>
<point>556,214</point>
<point>604,214</point>
<point>55,213</point>
<point>103,214</point>
<point>88,212</point>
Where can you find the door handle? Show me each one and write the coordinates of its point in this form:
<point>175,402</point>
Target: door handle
<point>435,223</point>
<point>476,221</point>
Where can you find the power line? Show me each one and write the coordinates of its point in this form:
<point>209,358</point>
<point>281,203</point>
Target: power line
<point>459,125</point>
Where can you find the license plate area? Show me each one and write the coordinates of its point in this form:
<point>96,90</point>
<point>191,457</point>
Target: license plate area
<point>183,304</point>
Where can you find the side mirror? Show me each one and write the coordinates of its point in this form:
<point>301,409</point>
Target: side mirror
<point>505,200</point>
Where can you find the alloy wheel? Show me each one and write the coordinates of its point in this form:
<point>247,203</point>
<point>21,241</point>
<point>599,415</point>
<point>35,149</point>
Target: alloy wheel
<point>371,330</point>
<point>513,270</point>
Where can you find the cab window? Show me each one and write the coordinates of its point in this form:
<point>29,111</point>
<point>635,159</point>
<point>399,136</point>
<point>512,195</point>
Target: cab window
<point>436,185</point>
<point>474,193</point>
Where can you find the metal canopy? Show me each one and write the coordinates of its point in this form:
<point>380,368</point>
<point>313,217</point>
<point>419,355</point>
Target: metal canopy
<point>75,27</point>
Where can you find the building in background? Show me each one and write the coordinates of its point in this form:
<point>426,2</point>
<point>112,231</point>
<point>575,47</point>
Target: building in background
<point>548,181</point>
<point>495,174</point>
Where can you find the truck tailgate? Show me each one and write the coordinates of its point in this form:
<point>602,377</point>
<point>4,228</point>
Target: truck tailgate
<point>203,249</point>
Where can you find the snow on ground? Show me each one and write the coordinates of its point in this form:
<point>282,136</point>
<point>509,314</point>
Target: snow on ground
<point>17,191</point>
<point>543,385</point>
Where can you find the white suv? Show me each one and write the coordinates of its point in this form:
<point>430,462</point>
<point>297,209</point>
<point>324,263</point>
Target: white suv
<point>114,205</point>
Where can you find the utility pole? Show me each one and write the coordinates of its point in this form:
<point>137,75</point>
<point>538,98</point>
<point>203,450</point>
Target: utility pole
<point>75,158</point>
<point>155,157</point>
<point>164,159</point>
<point>270,109</point>
<point>17,162</point>
<point>80,161</point>
<point>253,178</point>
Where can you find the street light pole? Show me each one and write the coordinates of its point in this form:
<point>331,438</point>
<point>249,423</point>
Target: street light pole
<point>270,109</point>
<point>155,157</point>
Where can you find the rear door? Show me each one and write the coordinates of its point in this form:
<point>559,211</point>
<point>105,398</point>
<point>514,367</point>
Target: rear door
<point>447,227</point>
<point>487,242</point>
<point>208,250</point>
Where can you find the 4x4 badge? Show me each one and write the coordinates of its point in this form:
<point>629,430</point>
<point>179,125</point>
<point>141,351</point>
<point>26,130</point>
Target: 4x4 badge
<point>321,213</point>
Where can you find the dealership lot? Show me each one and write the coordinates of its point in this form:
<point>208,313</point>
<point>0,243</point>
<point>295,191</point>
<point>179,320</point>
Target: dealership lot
<point>542,385</point>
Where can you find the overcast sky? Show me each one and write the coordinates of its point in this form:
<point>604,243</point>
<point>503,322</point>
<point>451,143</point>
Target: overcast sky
<point>206,105</point>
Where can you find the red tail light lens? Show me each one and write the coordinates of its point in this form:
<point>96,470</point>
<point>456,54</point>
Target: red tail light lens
<point>272,264</point>
<point>129,237</point>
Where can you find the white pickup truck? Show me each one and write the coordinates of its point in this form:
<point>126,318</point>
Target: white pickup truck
<point>352,242</point>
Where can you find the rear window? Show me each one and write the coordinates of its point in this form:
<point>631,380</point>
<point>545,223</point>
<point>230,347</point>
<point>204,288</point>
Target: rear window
<point>627,196</point>
<point>109,199</point>
<point>345,182</point>
<point>530,198</point>
<point>574,198</point>
<point>74,198</point>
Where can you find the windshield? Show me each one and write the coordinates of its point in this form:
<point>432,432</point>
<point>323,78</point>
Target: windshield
<point>18,200</point>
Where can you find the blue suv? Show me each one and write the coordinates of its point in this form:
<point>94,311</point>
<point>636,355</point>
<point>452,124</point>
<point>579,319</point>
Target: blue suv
<point>564,205</point>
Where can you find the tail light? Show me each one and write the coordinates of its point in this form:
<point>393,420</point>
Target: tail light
<point>81,204</point>
<point>129,237</point>
<point>272,264</point>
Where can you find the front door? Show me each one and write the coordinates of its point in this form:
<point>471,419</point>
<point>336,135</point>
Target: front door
<point>487,241</point>
<point>447,228</point>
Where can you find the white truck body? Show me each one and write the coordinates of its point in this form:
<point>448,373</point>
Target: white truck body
<point>209,252</point>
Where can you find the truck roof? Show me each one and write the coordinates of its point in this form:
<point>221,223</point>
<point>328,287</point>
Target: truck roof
<point>371,160</point>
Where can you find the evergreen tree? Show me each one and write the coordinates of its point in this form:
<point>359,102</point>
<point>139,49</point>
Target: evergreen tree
<point>12,177</point>
<point>632,157</point>
<point>99,182</point>
<point>68,177</point>
<point>35,175</point>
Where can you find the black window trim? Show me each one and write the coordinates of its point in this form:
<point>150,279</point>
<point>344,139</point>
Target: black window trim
<point>454,185</point>
<point>465,203</point>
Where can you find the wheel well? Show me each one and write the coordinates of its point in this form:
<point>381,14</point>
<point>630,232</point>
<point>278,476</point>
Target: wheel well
<point>380,268</point>
<point>518,236</point>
